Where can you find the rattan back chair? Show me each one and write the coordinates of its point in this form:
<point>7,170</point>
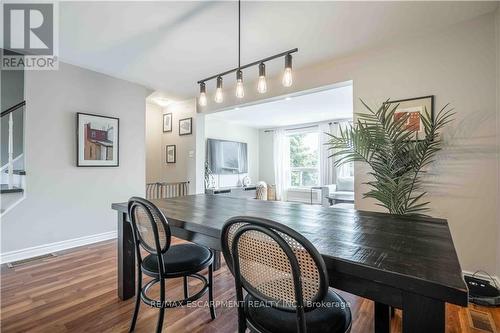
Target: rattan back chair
<point>274,264</point>
<point>152,233</point>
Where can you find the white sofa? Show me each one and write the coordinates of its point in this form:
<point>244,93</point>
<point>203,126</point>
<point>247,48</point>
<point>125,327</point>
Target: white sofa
<point>342,191</point>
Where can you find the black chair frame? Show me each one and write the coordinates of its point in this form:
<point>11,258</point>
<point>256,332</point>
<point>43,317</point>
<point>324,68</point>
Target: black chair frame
<point>271,229</point>
<point>162,275</point>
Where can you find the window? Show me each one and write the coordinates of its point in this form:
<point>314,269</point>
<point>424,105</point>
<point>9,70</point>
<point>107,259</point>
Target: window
<point>304,159</point>
<point>346,170</point>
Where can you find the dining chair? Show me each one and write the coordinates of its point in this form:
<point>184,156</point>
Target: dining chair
<point>285,279</point>
<point>151,233</point>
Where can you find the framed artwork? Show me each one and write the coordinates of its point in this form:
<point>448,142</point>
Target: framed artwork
<point>170,153</point>
<point>415,108</point>
<point>186,126</point>
<point>97,140</point>
<point>167,122</point>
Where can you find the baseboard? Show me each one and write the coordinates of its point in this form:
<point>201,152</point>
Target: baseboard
<point>484,276</point>
<point>54,247</point>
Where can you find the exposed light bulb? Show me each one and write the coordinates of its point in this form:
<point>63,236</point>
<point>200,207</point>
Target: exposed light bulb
<point>240,93</point>
<point>202,100</point>
<point>262,84</point>
<point>219,97</point>
<point>287,75</point>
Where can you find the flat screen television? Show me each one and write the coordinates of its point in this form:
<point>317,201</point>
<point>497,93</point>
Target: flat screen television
<point>227,157</point>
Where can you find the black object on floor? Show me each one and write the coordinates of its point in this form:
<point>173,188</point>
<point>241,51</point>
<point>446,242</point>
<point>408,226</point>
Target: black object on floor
<point>482,292</point>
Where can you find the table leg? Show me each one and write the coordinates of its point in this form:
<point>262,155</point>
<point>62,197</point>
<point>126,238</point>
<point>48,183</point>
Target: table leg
<point>382,318</point>
<point>422,314</point>
<point>217,262</point>
<point>126,258</point>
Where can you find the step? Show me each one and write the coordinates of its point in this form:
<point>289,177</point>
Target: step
<point>17,172</point>
<point>5,189</point>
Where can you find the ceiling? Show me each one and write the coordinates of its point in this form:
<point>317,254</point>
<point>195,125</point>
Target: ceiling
<point>168,46</point>
<point>309,108</point>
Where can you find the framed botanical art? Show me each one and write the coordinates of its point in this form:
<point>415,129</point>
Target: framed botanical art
<point>170,153</point>
<point>167,122</point>
<point>97,143</point>
<point>186,126</point>
<point>415,108</point>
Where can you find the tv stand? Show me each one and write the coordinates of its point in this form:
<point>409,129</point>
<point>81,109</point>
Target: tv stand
<point>240,192</point>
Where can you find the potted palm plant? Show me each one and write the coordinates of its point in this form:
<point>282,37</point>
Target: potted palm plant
<point>397,156</point>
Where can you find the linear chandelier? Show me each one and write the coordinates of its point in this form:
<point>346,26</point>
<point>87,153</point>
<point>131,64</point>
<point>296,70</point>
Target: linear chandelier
<point>261,85</point>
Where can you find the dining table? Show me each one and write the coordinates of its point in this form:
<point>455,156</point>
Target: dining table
<point>404,262</point>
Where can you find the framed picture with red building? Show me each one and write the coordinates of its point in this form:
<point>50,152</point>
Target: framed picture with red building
<point>97,140</point>
<point>413,109</point>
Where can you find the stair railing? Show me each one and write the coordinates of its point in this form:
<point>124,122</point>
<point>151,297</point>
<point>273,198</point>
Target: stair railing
<point>10,152</point>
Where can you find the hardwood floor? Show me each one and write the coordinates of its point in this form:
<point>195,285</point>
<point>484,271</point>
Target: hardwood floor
<point>76,292</point>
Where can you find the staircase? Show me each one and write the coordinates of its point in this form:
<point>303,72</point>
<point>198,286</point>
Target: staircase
<point>12,171</point>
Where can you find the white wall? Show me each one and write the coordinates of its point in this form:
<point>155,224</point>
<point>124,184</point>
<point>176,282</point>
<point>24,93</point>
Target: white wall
<point>185,167</point>
<point>223,130</point>
<point>266,157</point>
<point>190,149</point>
<point>457,65</point>
<point>64,201</point>
<point>154,151</point>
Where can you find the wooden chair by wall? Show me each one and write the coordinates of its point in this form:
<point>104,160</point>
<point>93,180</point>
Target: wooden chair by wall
<point>166,190</point>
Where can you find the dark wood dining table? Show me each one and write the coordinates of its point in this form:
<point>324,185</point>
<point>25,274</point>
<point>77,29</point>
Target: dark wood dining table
<point>408,263</point>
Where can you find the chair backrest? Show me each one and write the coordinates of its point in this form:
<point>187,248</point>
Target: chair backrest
<point>166,190</point>
<point>345,184</point>
<point>275,264</point>
<point>151,229</point>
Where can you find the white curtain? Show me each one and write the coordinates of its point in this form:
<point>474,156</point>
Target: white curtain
<point>326,168</point>
<point>281,152</point>
<point>345,170</point>
<point>328,172</point>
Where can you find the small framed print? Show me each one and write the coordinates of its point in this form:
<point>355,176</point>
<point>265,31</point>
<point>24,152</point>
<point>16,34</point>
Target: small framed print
<point>97,140</point>
<point>186,126</point>
<point>167,122</point>
<point>170,153</point>
<point>415,108</point>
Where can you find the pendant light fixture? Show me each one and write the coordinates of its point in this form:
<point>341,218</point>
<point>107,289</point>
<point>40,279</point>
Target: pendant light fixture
<point>240,93</point>
<point>261,84</point>
<point>218,92</point>
<point>203,95</point>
